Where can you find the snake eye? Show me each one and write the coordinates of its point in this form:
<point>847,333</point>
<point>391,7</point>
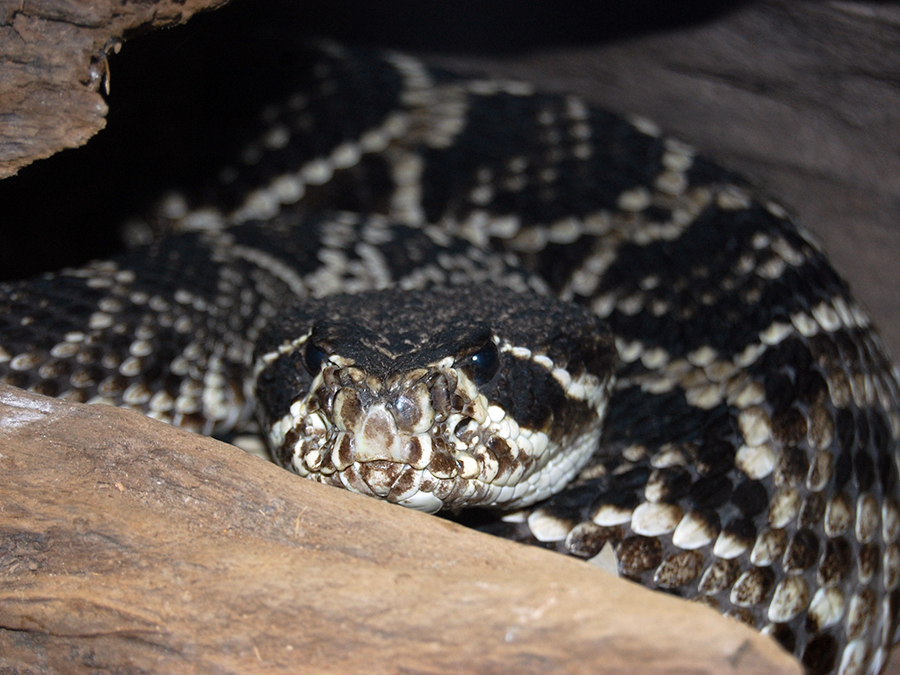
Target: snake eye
<point>313,358</point>
<point>484,363</point>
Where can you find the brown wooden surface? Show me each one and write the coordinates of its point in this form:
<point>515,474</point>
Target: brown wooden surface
<point>53,64</point>
<point>129,546</point>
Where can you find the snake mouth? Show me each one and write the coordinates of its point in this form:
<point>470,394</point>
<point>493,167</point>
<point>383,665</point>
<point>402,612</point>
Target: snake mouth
<point>427,440</point>
<point>455,461</point>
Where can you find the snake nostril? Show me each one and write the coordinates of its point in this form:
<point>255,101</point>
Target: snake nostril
<point>406,411</point>
<point>440,398</point>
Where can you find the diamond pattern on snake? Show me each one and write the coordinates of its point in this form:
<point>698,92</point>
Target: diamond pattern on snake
<point>447,292</point>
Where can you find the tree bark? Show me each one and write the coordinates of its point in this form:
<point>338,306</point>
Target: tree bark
<point>130,546</point>
<point>53,65</point>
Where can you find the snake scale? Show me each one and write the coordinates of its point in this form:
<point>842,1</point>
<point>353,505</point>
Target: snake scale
<point>445,291</point>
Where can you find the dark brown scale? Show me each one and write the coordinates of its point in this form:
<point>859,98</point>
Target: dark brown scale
<point>864,467</point>
<point>679,569</point>
<point>836,562</point>
<point>638,554</point>
<point>719,576</point>
<point>193,422</point>
<point>819,654</point>
<point>785,637</point>
<point>634,479</point>
<point>714,458</point>
<point>847,348</point>
<point>623,500</point>
<point>780,390</point>
<point>742,530</point>
<point>750,497</point>
<point>789,426</point>
<point>47,388</point>
<point>843,470</point>
<point>825,351</point>
<point>671,483</point>
<point>587,539</point>
<point>792,466</point>
<point>887,471</point>
<point>711,492</point>
<point>812,510</point>
<point>811,387</point>
<point>802,551</point>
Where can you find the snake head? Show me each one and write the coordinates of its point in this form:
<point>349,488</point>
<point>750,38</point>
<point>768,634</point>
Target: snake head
<point>436,399</point>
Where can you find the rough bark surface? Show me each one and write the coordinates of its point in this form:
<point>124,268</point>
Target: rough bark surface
<point>53,64</point>
<point>130,546</point>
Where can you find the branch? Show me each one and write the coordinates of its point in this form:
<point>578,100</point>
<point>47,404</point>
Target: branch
<point>128,544</point>
<point>53,64</point>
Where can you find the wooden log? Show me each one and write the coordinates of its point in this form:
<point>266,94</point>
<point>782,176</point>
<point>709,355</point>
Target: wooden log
<point>130,546</point>
<point>53,64</point>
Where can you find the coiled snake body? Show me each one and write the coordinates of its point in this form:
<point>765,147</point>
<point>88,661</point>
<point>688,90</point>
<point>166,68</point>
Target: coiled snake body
<point>445,292</point>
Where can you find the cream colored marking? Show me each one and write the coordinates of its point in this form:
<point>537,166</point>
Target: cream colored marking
<point>634,200</point>
<point>756,461</point>
<point>728,546</point>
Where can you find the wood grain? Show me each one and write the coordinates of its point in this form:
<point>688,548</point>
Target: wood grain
<point>130,546</point>
<point>53,66</point>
